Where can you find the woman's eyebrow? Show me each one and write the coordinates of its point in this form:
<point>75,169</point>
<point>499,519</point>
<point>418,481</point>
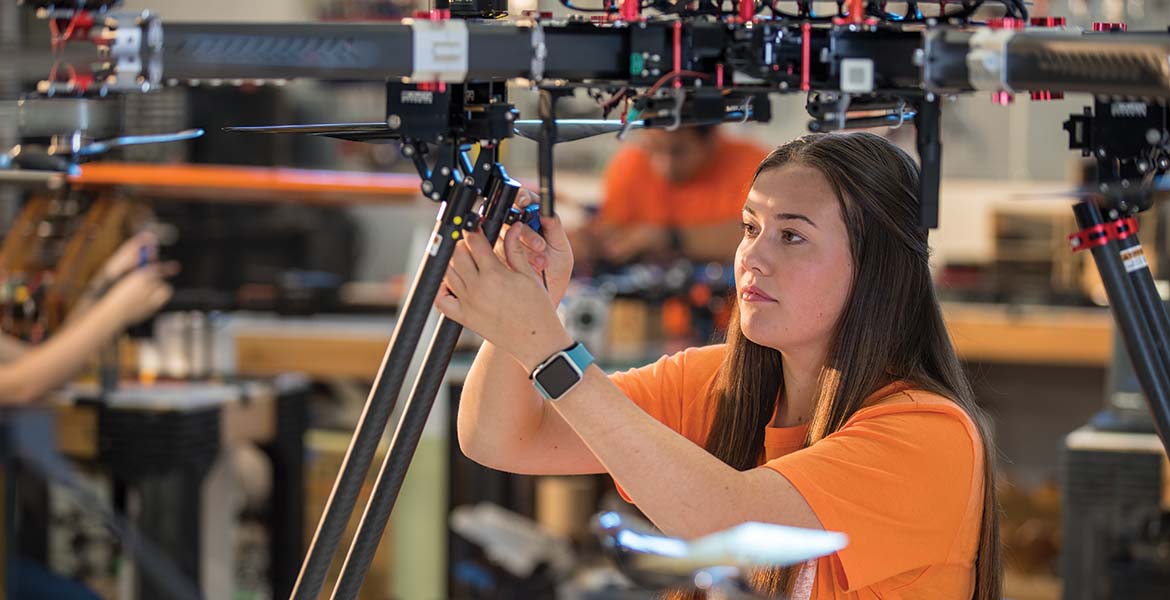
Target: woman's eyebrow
<point>799,217</point>
<point>783,216</point>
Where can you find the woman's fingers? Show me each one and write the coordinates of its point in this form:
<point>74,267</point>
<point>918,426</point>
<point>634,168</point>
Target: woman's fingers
<point>450,307</point>
<point>480,251</point>
<point>525,197</point>
<point>455,283</point>
<point>554,234</point>
<point>462,261</point>
<point>520,258</point>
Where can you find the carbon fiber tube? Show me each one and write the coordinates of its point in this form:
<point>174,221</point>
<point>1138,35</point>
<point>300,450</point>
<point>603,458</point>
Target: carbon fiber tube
<point>1134,324</point>
<point>1147,294</point>
<point>286,51</point>
<point>373,52</point>
<point>1096,63</point>
<point>410,427</point>
<point>1116,64</point>
<point>382,398</point>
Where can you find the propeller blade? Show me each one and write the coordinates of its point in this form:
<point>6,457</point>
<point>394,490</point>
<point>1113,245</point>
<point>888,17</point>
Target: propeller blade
<point>103,146</point>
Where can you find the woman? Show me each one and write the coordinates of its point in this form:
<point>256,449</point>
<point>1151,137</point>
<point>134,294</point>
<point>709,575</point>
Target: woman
<point>837,401</point>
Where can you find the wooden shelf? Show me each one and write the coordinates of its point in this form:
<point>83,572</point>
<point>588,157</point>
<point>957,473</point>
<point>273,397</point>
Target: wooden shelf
<point>981,333</point>
<point>1031,335</point>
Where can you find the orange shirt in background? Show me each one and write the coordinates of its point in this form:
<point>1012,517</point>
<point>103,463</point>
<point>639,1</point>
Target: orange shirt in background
<point>903,479</point>
<point>634,193</point>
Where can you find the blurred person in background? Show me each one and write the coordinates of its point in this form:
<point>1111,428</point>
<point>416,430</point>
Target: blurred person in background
<point>671,194</point>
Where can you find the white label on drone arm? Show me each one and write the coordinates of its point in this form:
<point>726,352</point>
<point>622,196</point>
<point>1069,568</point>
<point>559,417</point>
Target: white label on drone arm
<point>440,51</point>
<point>856,75</point>
<point>1134,259</point>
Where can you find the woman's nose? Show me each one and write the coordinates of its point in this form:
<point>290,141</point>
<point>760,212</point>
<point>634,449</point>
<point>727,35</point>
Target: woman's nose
<point>753,257</point>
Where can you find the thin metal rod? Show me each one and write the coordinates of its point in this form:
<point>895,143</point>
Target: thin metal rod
<point>548,139</point>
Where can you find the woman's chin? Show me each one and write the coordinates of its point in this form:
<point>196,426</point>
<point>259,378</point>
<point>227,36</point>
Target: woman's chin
<point>756,331</point>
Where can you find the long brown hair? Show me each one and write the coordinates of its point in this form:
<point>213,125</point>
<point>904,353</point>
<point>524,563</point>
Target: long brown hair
<point>876,185</point>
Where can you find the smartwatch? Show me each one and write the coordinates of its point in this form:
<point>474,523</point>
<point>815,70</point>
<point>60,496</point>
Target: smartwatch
<point>561,372</point>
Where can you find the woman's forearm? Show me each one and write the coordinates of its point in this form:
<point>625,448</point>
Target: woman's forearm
<point>11,348</point>
<point>685,490</point>
<point>49,365</point>
<point>499,409</point>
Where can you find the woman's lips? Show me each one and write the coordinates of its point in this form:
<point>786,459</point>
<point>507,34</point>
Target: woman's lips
<point>752,293</point>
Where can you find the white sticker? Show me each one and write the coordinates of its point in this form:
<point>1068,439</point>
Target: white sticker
<point>856,75</point>
<point>1134,259</point>
<point>433,247</point>
<point>440,51</point>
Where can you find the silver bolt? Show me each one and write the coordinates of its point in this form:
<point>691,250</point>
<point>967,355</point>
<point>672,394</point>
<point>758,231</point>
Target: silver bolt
<point>394,121</point>
<point>1101,152</point>
<point>645,73</point>
<point>428,187</point>
<point>444,171</point>
<point>1143,166</point>
<point>435,196</point>
<point>408,150</point>
<point>1153,136</point>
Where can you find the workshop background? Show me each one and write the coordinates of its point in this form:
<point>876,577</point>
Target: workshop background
<point>247,387</point>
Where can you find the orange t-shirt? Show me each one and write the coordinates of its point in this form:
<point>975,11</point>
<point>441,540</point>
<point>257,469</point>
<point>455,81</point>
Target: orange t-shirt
<point>634,193</point>
<point>903,479</point>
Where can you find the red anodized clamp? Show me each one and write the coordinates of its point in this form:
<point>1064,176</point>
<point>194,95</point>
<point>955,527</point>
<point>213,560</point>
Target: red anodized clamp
<point>747,11</point>
<point>1102,26</point>
<point>1099,235</point>
<point>631,10</point>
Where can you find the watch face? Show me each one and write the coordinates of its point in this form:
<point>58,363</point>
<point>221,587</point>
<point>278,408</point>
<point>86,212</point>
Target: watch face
<point>557,377</point>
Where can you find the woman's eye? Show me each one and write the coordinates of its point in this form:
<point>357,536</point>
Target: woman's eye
<point>791,237</point>
<point>749,230</point>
